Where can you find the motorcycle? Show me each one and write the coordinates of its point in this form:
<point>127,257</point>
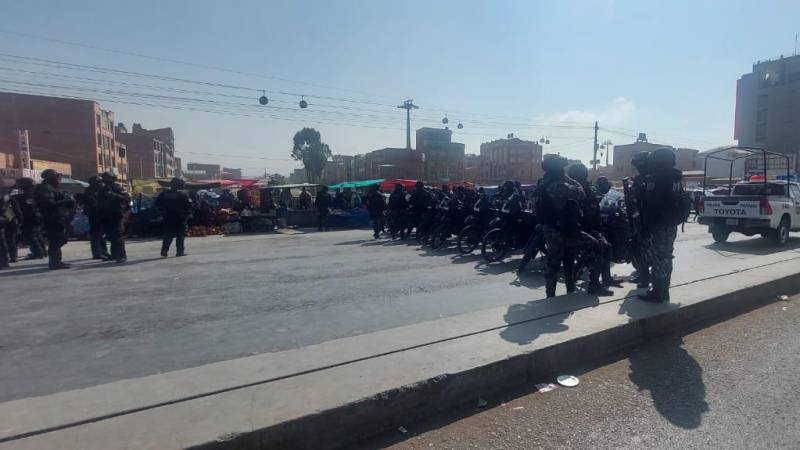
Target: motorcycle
<point>451,218</point>
<point>509,231</point>
<point>476,225</point>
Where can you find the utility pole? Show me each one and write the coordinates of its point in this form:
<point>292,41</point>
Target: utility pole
<point>594,154</point>
<point>408,105</point>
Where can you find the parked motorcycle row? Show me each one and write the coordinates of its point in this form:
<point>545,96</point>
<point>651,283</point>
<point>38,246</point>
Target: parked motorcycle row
<point>499,224</point>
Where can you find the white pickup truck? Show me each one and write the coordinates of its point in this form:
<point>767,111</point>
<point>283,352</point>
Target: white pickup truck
<point>753,207</point>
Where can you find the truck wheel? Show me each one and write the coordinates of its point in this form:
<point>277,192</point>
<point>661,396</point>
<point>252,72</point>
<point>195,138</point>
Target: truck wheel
<point>720,234</point>
<point>781,235</point>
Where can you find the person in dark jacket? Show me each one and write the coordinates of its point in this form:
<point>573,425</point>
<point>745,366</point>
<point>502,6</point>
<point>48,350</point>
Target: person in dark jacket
<point>398,208</point>
<point>376,205</point>
<point>305,199</point>
<point>420,199</point>
<point>663,189</point>
<point>31,218</point>
<point>323,205</point>
<point>91,207</point>
<point>56,207</point>
<point>8,230</point>
<point>114,202</point>
<point>176,208</point>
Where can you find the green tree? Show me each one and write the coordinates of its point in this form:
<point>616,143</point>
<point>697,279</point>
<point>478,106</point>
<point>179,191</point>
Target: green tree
<point>309,148</point>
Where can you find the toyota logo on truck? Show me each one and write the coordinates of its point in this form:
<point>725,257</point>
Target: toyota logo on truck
<point>730,212</point>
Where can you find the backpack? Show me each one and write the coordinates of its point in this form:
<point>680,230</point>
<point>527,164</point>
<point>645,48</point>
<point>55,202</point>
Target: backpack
<point>682,206</point>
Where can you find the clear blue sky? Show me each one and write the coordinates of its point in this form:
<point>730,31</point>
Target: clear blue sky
<point>665,68</point>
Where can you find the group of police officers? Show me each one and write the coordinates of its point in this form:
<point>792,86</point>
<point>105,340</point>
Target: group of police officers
<point>568,206</point>
<point>41,215</point>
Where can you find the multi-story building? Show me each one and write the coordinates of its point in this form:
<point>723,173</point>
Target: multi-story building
<point>75,132</point>
<point>686,158</point>
<point>768,108</point>
<point>472,168</point>
<point>394,163</point>
<point>178,167</point>
<point>231,174</point>
<point>151,153</point>
<point>510,159</point>
<point>200,171</point>
<point>443,159</point>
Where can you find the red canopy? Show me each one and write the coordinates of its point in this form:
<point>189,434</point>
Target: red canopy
<point>389,185</point>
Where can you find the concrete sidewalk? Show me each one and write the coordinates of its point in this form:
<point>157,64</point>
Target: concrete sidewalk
<point>332,393</point>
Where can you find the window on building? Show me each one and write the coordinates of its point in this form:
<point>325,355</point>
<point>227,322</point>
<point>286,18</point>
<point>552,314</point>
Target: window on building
<point>98,120</point>
<point>761,132</point>
<point>99,140</point>
<point>761,115</point>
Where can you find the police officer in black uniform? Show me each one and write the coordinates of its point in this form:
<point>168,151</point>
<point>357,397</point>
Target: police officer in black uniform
<point>398,208</point>
<point>661,215</point>
<point>114,203</point>
<point>8,230</point>
<point>559,210</point>
<point>31,218</point>
<point>591,223</point>
<point>420,198</point>
<point>641,162</point>
<point>56,207</point>
<point>176,208</point>
<point>91,207</point>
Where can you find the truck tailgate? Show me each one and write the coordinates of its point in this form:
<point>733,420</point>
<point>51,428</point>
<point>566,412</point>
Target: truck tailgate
<point>734,207</point>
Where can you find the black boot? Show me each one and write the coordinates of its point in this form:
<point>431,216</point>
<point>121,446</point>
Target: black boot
<point>595,288</point>
<point>550,288</point>
<point>658,294</point>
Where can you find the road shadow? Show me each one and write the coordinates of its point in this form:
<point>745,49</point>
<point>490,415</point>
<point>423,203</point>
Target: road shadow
<point>107,264</point>
<point>636,308</point>
<point>13,271</point>
<point>674,379</point>
<point>755,246</point>
<point>528,321</point>
<point>356,242</point>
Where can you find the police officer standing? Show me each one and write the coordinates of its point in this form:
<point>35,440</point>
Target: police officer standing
<point>31,218</point>
<point>559,208</point>
<point>661,215</point>
<point>398,207</point>
<point>641,162</point>
<point>591,223</point>
<point>114,203</point>
<point>176,208</point>
<point>56,207</point>
<point>376,205</point>
<point>8,226</point>
<point>91,207</point>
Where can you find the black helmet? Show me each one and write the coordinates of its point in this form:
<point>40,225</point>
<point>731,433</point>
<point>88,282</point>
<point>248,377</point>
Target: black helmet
<point>554,163</point>
<point>578,172</point>
<point>94,180</point>
<point>50,175</point>
<point>108,177</point>
<point>663,158</point>
<point>24,183</point>
<point>177,183</point>
<point>420,185</point>
<point>640,160</point>
<point>603,184</point>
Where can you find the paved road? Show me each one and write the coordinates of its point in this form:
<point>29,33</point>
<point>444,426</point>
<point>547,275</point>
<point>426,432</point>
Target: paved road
<point>732,385</point>
<point>242,295</point>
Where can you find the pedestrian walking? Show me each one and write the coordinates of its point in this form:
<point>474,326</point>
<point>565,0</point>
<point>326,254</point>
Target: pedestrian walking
<point>56,207</point>
<point>323,205</point>
<point>176,208</point>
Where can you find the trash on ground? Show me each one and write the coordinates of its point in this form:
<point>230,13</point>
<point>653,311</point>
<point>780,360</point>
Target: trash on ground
<point>482,403</point>
<point>545,387</point>
<point>568,380</point>
<point>402,430</point>
<point>784,308</point>
<point>783,297</point>
<point>517,408</point>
